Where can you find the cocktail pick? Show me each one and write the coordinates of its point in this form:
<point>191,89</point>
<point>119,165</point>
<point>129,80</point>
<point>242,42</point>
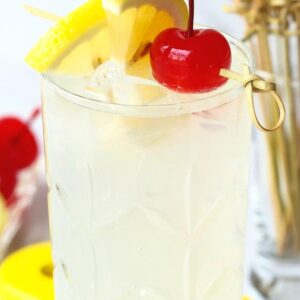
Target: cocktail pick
<point>41,13</point>
<point>256,84</point>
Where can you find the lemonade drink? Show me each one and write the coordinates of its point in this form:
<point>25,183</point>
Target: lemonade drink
<point>147,202</point>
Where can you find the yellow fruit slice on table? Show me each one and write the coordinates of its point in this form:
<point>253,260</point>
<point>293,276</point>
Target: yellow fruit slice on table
<point>27,274</point>
<point>3,213</point>
<point>97,32</point>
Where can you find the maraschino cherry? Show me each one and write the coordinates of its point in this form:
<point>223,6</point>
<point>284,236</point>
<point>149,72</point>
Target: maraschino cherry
<point>8,182</point>
<point>190,60</point>
<point>18,150</point>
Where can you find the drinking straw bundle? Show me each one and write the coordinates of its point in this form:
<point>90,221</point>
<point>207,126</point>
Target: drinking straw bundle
<point>273,30</point>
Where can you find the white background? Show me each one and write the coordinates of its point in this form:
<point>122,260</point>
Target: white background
<point>19,31</point>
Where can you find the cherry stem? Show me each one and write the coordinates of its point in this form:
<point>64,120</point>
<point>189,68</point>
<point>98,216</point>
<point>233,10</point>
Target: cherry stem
<point>35,113</point>
<point>190,31</point>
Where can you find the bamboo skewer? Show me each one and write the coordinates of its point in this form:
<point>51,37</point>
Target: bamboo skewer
<point>271,141</point>
<point>268,18</point>
<point>41,13</point>
<point>282,151</point>
<point>291,217</point>
<point>277,206</point>
<point>293,211</point>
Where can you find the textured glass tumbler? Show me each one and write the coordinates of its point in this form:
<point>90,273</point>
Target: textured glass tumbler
<point>148,202</point>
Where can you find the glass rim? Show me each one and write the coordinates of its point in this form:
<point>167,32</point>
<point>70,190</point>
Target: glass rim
<point>207,100</point>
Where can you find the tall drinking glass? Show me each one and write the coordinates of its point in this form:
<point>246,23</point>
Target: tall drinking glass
<point>148,201</point>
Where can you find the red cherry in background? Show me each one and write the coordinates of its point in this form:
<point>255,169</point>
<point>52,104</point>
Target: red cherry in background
<point>190,61</point>
<point>18,147</point>
<point>18,150</point>
<point>8,183</point>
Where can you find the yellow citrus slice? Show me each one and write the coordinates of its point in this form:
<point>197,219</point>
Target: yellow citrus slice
<point>139,22</point>
<point>176,8</point>
<point>65,37</point>
<point>27,274</point>
<point>138,27</point>
<point>3,214</point>
<point>112,30</point>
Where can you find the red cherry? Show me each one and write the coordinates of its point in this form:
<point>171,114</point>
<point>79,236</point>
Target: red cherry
<point>190,64</point>
<point>18,147</point>
<point>11,200</point>
<point>8,183</point>
<point>190,61</point>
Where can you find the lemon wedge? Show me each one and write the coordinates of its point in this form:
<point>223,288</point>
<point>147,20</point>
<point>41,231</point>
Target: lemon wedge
<point>110,30</point>
<point>61,38</point>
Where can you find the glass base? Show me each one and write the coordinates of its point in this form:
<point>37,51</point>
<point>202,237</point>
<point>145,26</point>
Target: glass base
<point>281,267</point>
<point>271,286</point>
<point>273,277</point>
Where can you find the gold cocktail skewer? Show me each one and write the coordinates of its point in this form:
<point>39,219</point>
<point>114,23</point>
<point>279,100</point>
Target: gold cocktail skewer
<point>268,21</point>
